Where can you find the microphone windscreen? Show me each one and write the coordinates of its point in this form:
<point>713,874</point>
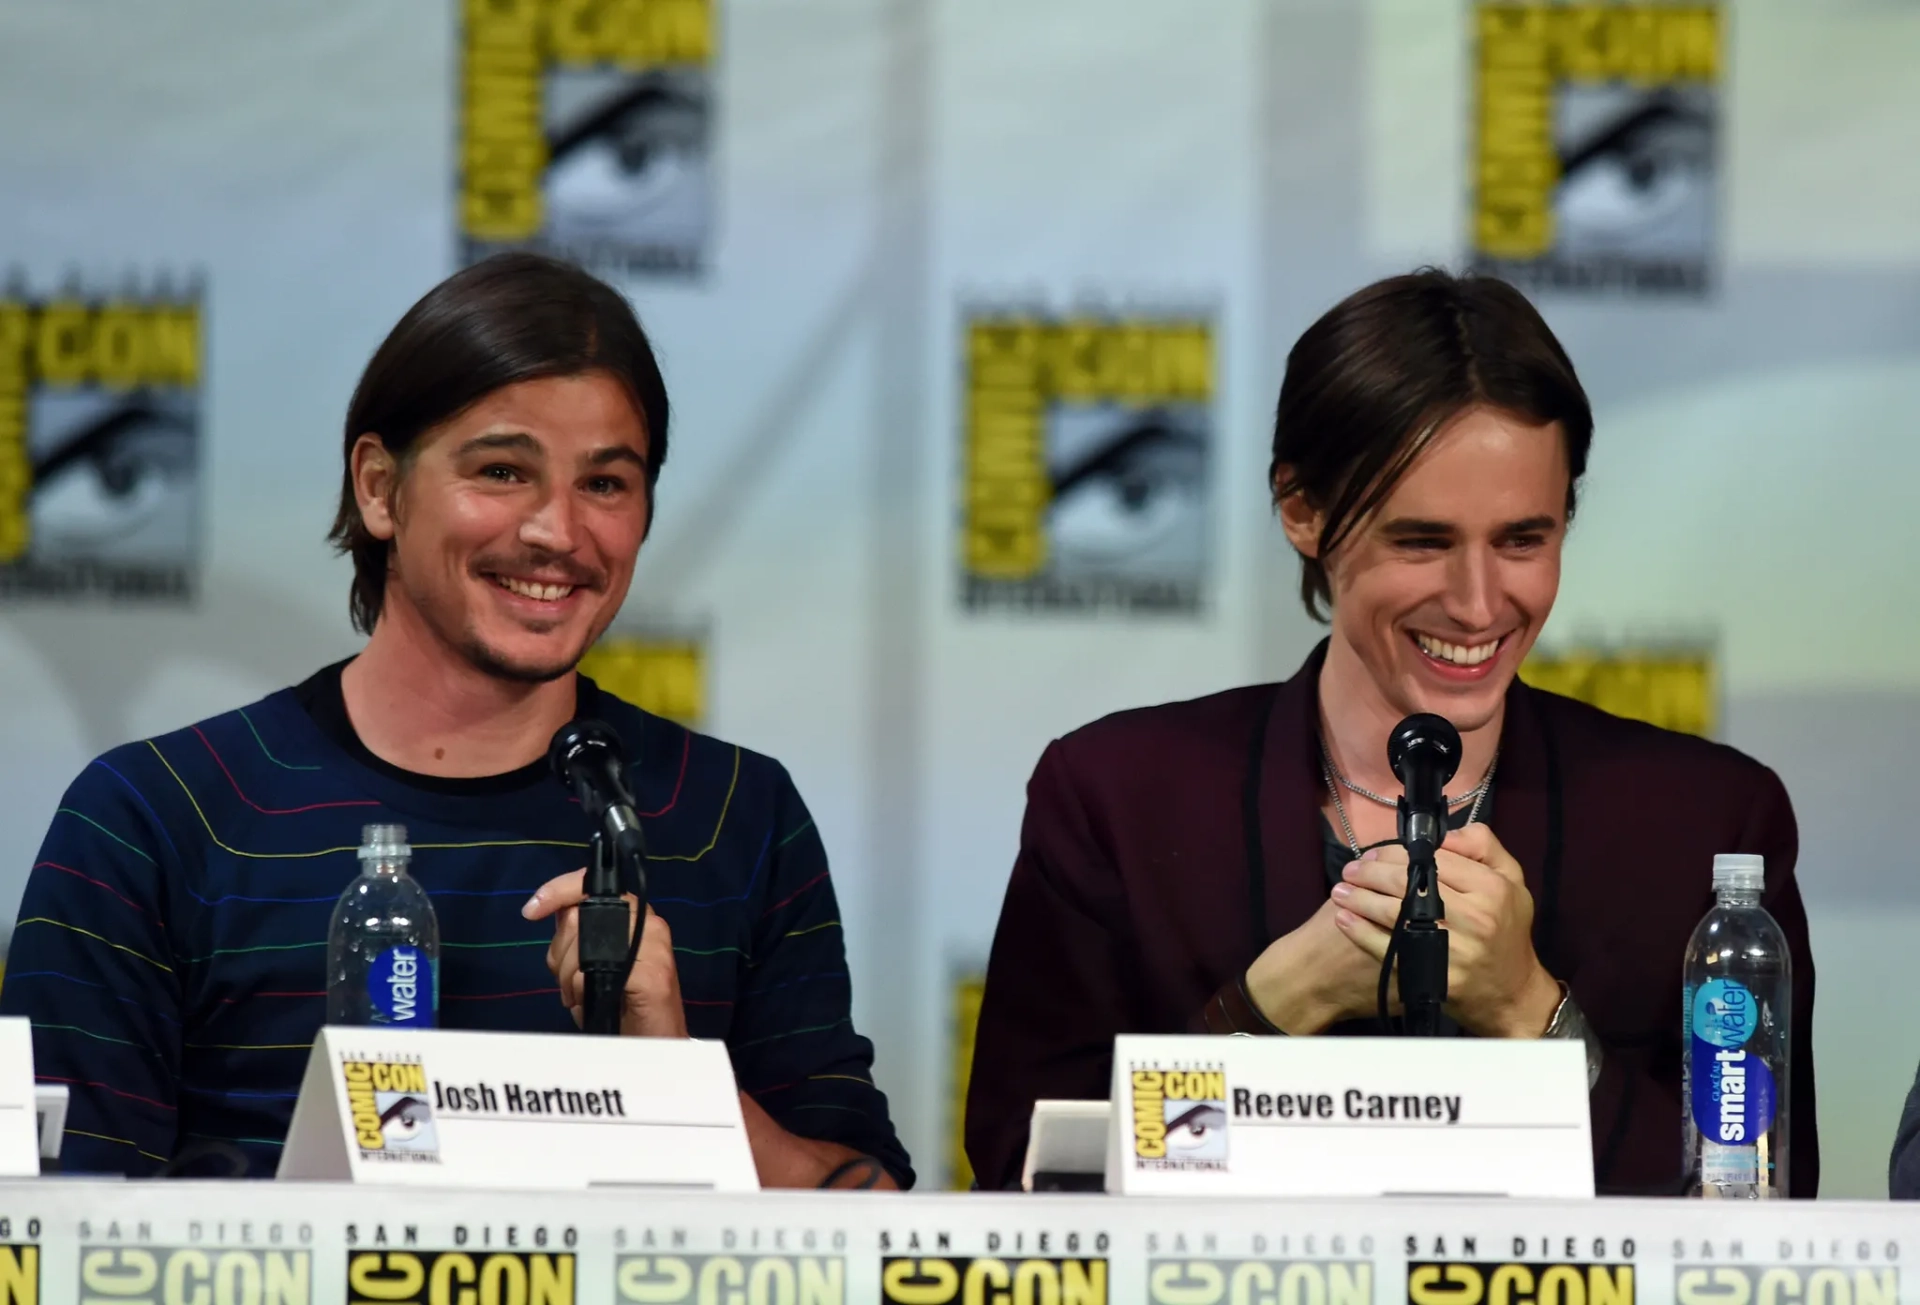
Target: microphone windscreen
<point>1424,739</point>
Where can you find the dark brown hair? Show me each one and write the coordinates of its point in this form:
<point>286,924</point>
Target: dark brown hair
<point>512,318</point>
<point>1370,383</point>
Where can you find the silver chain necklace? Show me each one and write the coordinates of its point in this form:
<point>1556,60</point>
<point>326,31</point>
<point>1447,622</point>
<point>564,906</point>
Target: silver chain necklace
<point>1335,781</point>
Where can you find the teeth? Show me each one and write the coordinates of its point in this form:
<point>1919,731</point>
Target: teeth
<point>1458,654</point>
<point>532,589</point>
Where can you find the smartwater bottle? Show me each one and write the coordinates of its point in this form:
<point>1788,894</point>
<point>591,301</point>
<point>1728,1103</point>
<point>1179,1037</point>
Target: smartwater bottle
<point>1737,1013</point>
<point>383,950</point>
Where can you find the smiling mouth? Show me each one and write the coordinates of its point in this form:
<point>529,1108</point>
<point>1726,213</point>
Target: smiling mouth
<point>535,589</point>
<point>1458,654</point>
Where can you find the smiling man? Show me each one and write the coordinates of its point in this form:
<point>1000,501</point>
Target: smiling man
<point>500,459</point>
<point>1227,865</point>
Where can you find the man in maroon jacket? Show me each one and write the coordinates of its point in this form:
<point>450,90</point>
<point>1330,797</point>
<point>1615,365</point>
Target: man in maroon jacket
<point>1228,864</point>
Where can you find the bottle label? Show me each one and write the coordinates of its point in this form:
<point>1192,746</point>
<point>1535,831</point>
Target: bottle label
<point>1733,1089</point>
<point>400,984</point>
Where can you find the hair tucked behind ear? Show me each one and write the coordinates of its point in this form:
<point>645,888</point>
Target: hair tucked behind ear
<point>1369,384</point>
<point>515,317</point>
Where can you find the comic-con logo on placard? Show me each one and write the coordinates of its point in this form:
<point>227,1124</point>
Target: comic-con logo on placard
<point>585,131</point>
<point>1785,1284</point>
<point>1595,155</point>
<point>100,443</point>
<point>195,1275</point>
<point>1179,1118</point>
<point>1087,440</point>
<point>654,1279</point>
<point>460,1278</point>
<point>1451,1283</point>
<point>392,1110</point>
<point>947,1280</point>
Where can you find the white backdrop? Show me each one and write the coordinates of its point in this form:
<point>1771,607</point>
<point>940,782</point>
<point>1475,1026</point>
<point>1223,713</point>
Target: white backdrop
<point>878,159</point>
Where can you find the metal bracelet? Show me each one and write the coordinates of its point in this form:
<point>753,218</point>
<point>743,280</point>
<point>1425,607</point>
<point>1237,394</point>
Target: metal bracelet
<point>1569,1022</point>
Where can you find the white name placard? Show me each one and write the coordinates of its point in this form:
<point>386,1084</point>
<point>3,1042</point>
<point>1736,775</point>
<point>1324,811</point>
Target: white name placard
<point>1350,1117</point>
<point>19,1113</point>
<point>437,1107</point>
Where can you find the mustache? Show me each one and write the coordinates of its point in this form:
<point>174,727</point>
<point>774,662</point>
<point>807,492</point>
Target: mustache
<point>570,572</point>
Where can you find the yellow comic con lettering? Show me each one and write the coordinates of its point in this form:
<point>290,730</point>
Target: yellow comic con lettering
<point>654,1279</point>
<point>119,1272</point>
<point>1149,1118</point>
<point>503,147</point>
<point>399,1078</point>
<point>633,34</point>
<point>919,1282</point>
<point>19,1275</point>
<point>1007,488</point>
<point>1516,164</point>
<point>1445,1284</point>
<point>1646,45</point>
<point>379,1276</point>
<point>1712,1287</point>
<point>16,464</point>
<point>1192,1282</point>
<point>361,1106</point>
<point>1196,1085</point>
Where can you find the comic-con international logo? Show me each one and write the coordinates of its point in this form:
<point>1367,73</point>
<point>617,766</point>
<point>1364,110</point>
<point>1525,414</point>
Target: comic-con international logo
<point>1179,1118</point>
<point>392,1110</point>
<point>1513,1283</point>
<point>460,1278</point>
<point>100,443</point>
<point>991,1280</point>
<point>1595,158</point>
<point>195,1275</point>
<point>747,1279</point>
<point>1086,448</point>
<point>584,131</point>
<point>1785,1284</point>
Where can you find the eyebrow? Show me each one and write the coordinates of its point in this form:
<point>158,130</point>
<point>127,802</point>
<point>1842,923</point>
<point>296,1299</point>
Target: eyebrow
<point>1414,527</point>
<point>520,441</point>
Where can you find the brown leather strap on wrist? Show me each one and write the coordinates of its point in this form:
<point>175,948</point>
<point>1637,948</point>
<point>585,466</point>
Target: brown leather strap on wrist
<point>1232,1010</point>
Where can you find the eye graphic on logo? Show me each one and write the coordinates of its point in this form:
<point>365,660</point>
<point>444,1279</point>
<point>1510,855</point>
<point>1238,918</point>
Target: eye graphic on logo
<point>626,153</point>
<point>1637,169</point>
<point>112,474</point>
<point>405,1118</point>
<point>1129,490</point>
<point>1196,1128</point>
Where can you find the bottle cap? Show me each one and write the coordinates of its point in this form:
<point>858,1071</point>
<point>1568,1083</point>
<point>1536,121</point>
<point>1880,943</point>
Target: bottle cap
<point>383,842</point>
<point>1740,870</point>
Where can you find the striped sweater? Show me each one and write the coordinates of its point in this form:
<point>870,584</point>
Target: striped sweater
<point>171,944</point>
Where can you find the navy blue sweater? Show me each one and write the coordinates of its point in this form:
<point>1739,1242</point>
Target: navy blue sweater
<point>171,945</point>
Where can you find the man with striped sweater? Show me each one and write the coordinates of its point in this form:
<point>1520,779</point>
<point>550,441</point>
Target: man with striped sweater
<point>501,453</point>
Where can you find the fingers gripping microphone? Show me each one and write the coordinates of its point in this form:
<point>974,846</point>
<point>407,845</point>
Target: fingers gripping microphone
<point>1424,751</point>
<point>590,762</point>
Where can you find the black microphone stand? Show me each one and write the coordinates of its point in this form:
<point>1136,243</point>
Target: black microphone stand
<point>1422,942</point>
<point>609,929</point>
<point>1424,751</point>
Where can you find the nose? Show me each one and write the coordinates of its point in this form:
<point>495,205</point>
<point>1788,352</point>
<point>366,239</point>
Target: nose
<point>552,527</point>
<point>1473,587</point>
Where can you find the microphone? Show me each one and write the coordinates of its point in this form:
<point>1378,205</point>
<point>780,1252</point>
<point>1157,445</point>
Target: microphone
<point>1424,751</point>
<point>588,759</point>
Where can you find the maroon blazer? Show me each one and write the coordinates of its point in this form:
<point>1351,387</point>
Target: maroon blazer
<point>1131,902</point>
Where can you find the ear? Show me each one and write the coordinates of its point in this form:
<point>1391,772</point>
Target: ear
<point>1299,518</point>
<point>375,480</point>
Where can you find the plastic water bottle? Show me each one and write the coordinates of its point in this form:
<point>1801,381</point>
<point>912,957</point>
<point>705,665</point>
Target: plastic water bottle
<point>1739,993</point>
<point>383,949</point>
